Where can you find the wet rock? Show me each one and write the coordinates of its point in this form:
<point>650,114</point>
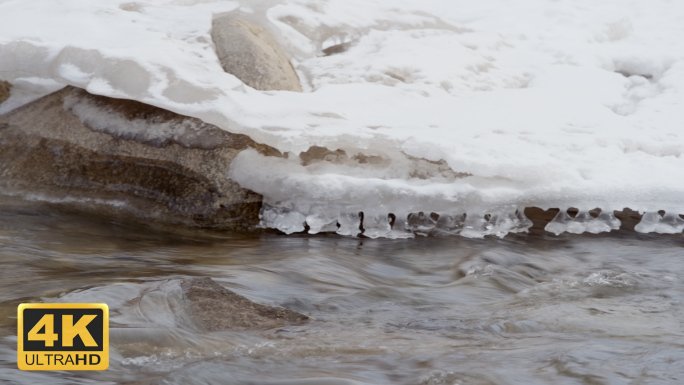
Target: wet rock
<point>249,52</point>
<point>150,162</point>
<point>4,90</point>
<point>213,307</point>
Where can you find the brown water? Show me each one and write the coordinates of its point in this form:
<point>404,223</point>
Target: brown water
<point>528,309</point>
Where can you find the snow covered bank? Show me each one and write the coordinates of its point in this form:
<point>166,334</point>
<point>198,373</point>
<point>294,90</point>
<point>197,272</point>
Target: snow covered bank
<point>435,106</point>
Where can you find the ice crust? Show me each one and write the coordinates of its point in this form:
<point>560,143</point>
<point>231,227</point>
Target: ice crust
<point>439,106</point>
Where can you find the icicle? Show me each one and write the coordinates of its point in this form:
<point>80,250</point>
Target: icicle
<point>448,224</point>
<point>322,221</point>
<point>609,219</point>
<point>501,222</point>
<point>292,222</point>
<point>420,223</point>
<point>583,222</point>
<point>559,223</point>
<point>400,228</point>
<point>330,227</point>
<point>376,225</point>
<point>524,223</point>
<point>281,218</point>
<point>649,222</point>
<point>475,226</point>
<point>670,224</point>
<point>578,224</point>
<point>349,224</point>
<point>594,225</point>
<point>267,216</point>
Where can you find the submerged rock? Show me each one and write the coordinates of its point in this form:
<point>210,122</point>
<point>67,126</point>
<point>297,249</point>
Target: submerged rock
<point>4,91</point>
<point>149,161</point>
<point>249,52</point>
<point>212,307</point>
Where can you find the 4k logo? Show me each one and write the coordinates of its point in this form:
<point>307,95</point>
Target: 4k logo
<point>63,336</point>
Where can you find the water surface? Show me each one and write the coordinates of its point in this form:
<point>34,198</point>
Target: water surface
<point>526,309</point>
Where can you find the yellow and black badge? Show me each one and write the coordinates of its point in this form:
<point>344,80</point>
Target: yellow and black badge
<point>63,336</point>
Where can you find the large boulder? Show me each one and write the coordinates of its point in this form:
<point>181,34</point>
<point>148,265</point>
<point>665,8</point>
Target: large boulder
<point>249,52</point>
<point>212,307</point>
<point>150,162</point>
<point>122,155</point>
<point>4,90</point>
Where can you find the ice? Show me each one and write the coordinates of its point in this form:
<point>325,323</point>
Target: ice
<point>476,226</point>
<point>649,222</point>
<point>28,89</point>
<point>583,222</point>
<point>578,224</point>
<point>400,228</point>
<point>595,225</point>
<point>349,224</point>
<point>498,222</point>
<point>329,228</point>
<point>653,222</point>
<point>322,219</point>
<point>188,132</point>
<point>281,218</point>
<point>559,223</point>
<point>437,106</point>
<point>421,223</point>
<point>523,224</point>
<point>450,224</point>
<point>608,218</point>
<point>376,225</point>
<point>502,222</point>
<point>670,224</point>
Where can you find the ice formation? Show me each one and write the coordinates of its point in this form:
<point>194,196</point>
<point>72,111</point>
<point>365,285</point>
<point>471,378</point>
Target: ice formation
<point>653,222</point>
<point>583,222</point>
<point>468,110</point>
<point>375,224</point>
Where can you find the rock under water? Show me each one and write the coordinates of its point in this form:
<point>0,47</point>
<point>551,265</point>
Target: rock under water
<point>213,307</point>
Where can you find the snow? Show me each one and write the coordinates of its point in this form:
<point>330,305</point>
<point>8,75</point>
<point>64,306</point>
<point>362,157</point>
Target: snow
<point>444,106</point>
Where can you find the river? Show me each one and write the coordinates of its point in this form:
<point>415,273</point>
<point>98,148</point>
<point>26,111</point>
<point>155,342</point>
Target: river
<point>526,309</point>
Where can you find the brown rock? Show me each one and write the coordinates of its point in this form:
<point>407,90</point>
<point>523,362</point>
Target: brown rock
<point>4,90</point>
<point>213,307</point>
<point>164,166</point>
<point>249,52</point>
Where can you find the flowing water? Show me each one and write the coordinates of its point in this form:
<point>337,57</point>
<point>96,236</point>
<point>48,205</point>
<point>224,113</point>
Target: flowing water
<point>526,309</point>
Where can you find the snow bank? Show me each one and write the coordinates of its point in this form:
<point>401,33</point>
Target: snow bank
<point>443,106</point>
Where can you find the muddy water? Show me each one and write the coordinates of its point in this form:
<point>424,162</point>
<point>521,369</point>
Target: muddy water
<point>528,309</point>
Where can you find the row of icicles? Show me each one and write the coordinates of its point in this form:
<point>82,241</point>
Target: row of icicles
<point>651,222</point>
<point>470,225</point>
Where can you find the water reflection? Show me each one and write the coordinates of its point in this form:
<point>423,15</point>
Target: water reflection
<point>523,310</point>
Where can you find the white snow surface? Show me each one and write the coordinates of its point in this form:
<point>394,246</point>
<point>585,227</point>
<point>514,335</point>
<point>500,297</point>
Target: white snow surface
<point>445,106</point>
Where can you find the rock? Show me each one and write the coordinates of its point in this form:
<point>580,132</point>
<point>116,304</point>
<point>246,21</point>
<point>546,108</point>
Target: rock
<point>156,164</point>
<point>4,91</point>
<point>125,156</point>
<point>213,307</point>
<point>249,52</point>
